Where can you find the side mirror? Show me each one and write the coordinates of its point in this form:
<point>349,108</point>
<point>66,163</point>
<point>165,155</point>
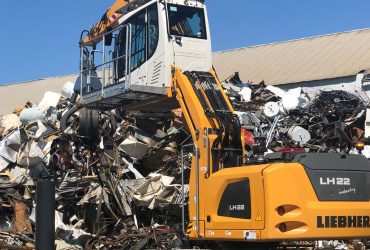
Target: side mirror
<point>178,40</point>
<point>108,37</point>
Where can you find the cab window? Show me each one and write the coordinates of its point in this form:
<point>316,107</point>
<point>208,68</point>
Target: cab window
<point>144,39</point>
<point>186,21</point>
<point>153,30</point>
<point>138,42</point>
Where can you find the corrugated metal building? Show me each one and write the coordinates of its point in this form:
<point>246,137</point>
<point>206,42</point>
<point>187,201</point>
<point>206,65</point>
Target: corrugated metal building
<point>17,94</point>
<point>303,60</point>
<point>333,61</point>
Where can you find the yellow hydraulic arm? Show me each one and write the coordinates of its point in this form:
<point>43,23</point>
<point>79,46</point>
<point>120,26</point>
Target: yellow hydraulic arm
<point>109,20</point>
<point>209,114</point>
<point>215,131</point>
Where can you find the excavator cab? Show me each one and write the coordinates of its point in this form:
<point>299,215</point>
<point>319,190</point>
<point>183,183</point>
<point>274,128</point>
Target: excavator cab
<point>156,53</point>
<point>132,60</point>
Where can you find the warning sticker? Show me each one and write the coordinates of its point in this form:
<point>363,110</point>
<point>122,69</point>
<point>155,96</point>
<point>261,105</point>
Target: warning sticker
<point>259,216</point>
<point>250,235</point>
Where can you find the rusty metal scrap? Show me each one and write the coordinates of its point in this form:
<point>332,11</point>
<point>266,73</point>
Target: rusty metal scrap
<point>21,222</point>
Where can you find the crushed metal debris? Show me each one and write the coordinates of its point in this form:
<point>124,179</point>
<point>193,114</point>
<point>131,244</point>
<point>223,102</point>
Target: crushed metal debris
<point>284,121</point>
<point>118,174</point>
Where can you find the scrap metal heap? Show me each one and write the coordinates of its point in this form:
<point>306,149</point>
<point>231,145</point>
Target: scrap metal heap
<point>119,186</point>
<point>295,120</point>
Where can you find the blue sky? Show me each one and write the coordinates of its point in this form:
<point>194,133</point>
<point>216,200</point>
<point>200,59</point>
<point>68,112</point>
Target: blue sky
<point>40,38</point>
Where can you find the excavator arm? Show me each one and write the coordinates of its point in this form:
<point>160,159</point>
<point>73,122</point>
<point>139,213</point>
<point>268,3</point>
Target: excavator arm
<point>108,21</point>
<point>208,111</point>
<point>216,134</point>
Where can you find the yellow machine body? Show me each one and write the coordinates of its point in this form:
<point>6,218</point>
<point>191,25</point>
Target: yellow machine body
<point>282,201</point>
<point>273,187</point>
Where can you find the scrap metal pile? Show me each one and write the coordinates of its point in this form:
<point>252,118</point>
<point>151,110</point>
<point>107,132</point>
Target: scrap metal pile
<point>118,174</point>
<point>118,187</point>
<point>292,120</point>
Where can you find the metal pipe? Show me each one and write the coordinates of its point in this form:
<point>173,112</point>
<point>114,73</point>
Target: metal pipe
<point>99,65</point>
<point>81,70</point>
<point>88,80</point>
<point>104,34</point>
<point>197,187</point>
<point>128,56</point>
<point>103,67</point>
<point>45,214</point>
<point>182,192</point>
<point>182,187</point>
<point>207,149</point>
<point>271,131</point>
<point>110,60</point>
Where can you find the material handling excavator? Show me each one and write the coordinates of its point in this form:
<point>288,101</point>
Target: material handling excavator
<point>155,55</point>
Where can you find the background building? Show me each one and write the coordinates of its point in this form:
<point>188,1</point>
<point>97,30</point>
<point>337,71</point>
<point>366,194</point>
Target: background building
<point>333,61</point>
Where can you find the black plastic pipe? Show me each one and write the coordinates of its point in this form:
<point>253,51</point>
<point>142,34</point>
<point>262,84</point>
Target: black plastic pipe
<point>45,214</point>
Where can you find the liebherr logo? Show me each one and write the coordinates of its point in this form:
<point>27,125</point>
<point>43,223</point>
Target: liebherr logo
<point>335,181</point>
<point>343,221</point>
<point>236,207</point>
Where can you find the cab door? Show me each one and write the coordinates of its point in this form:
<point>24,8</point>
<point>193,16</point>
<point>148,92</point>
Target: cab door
<point>190,37</point>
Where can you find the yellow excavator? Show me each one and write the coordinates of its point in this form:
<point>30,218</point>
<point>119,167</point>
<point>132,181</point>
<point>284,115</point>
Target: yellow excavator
<point>154,55</point>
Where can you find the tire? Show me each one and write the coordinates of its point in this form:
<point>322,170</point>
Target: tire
<point>89,125</point>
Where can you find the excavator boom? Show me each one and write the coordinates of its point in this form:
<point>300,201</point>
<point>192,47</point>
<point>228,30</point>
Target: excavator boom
<point>108,21</point>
